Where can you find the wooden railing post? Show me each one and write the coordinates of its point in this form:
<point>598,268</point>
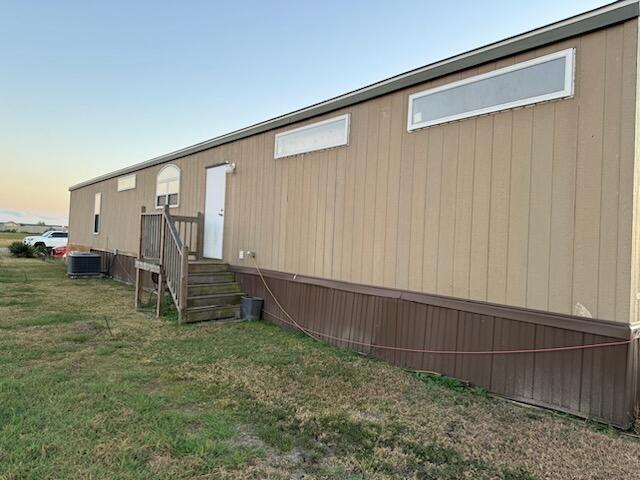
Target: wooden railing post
<point>163,220</point>
<point>200,237</point>
<point>139,277</point>
<point>184,279</point>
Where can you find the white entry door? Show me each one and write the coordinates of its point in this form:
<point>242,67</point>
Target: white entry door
<point>214,211</point>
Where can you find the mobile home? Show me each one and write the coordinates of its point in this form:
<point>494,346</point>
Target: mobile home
<point>476,217</point>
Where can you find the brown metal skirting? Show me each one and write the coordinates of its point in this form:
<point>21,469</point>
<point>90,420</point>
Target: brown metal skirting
<point>599,383</point>
<point>567,322</point>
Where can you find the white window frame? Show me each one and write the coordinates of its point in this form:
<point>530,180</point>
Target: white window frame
<point>347,124</point>
<point>97,212</point>
<point>172,193</point>
<point>126,177</point>
<point>566,92</point>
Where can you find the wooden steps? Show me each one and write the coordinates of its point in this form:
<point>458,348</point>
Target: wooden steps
<point>212,292</point>
<point>219,299</point>
<point>200,289</point>
<point>201,266</point>
<point>195,290</point>
<point>210,277</point>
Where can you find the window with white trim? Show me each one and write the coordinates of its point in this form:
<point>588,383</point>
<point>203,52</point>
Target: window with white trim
<point>97,206</point>
<point>538,80</point>
<point>168,187</point>
<point>330,133</point>
<point>127,182</point>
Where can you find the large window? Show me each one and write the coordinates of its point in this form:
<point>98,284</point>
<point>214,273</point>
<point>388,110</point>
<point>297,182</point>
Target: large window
<point>127,183</point>
<point>538,80</point>
<point>97,205</point>
<point>168,187</point>
<point>317,136</point>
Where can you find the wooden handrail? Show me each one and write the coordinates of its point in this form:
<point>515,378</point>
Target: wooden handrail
<point>173,262</point>
<point>161,277</point>
<point>169,220</point>
<point>183,218</point>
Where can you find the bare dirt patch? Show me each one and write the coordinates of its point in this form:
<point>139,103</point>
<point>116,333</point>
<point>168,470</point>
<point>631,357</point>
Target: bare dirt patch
<point>153,399</point>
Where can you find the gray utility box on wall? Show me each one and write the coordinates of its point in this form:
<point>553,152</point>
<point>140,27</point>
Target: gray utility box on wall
<point>84,264</point>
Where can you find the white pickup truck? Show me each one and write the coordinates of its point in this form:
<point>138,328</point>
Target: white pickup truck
<point>50,239</point>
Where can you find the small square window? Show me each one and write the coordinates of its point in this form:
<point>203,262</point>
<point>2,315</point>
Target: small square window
<point>127,183</point>
<point>97,206</point>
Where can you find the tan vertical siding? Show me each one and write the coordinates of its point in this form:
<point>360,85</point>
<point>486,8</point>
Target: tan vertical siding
<point>634,297</point>
<point>499,207</point>
<point>529,207</point>
<point>612,126</point>
<point>519,194</point>
<point>563,208</point>
<point>480,209</point>
<point>589,172</point>
<point>463,208</point>
<point>403,254</point>
<point>391,258</point>
<point>628,163</point>
<point>447,214</point>
<point>425,206</point>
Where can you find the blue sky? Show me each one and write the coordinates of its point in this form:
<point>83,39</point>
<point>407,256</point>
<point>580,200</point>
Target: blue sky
<point>88,87</point>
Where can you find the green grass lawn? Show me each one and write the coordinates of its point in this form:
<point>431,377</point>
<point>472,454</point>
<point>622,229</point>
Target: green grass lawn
<point>7,238</point>
<point>91,389</point>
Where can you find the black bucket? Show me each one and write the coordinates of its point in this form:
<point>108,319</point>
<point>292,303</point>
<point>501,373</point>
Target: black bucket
<point>251,308</point>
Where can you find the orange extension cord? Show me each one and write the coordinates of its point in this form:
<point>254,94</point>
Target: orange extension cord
<point>316,336</point>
